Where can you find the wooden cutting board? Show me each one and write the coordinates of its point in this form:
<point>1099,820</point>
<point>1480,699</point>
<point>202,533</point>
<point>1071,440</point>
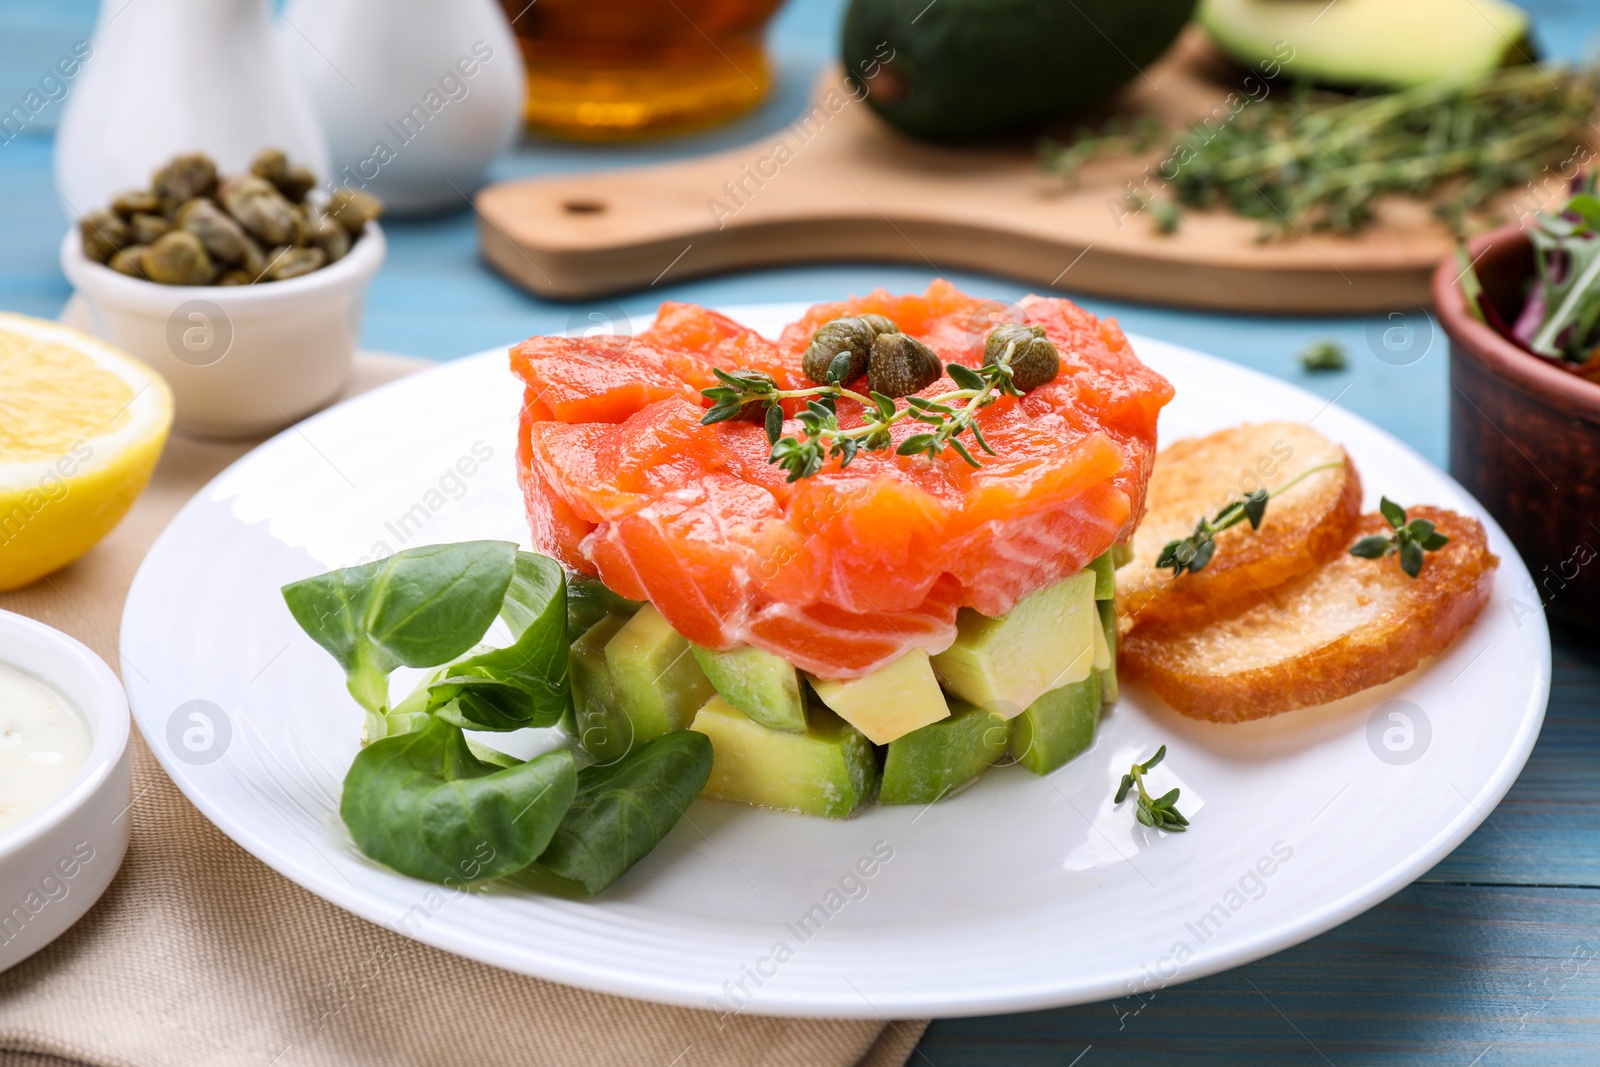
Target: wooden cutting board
<point>840,184</point>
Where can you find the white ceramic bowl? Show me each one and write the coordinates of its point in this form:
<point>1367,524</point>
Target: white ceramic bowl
<point>55,864</point>
<point>243,359</point>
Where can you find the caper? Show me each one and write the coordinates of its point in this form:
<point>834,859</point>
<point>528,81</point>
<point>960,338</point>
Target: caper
<point>296,182</point>
<point>185,178</point>
<point>333,239</point>
<point>146,227</point>
<point>224,239</point>
<point>255,259</point>
<point>352,209</point>
<point>842,335</point>
<point>258,206</point>
<point>293,262</point>
<point>195,227</point>
<point>1034,359</point>
<point>302,224</point>
<point>879,323</point>
<point>178,258</point>
<point>901,365</point>
<point>135,201</point>
<point>270,163</point>
<point>129,261</point>
<point>293,180</point>
<point>102,234</point>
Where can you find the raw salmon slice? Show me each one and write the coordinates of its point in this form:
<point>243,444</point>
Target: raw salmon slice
<point>845,571</point>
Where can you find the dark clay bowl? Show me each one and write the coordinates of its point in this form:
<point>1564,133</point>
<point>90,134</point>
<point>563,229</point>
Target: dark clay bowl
<point>1524,436</point>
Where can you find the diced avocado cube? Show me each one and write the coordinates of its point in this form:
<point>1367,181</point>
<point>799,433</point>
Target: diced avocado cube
<point>659,683</point>
<point>1105,576</point>
<point>830,770</point>
<point>931,763</point>
<point>761,685</point>
<point>603,729</point>
<point>890,702</point>
<point>1102,650</point>
<point>589,600</point>
<point>1109,690</point>
<point>1044,643</point>
<point>1121,554</point>
<point>1057,726</point>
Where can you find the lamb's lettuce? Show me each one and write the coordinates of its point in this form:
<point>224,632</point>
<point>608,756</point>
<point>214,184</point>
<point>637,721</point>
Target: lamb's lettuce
<point>428,801</point>
<point>423,804</point>
<point>417,608</point>
<point>622,810</point>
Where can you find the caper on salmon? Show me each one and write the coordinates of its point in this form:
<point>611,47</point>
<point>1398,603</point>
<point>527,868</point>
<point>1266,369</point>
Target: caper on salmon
<point>1017,358</point>
<point>848,335</point>
<point>901,365</point>
<point>196,226</point>
<point>1033,359</point>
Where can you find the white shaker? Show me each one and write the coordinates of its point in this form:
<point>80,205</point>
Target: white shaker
<point>416,97</point>
<point>167,77</point>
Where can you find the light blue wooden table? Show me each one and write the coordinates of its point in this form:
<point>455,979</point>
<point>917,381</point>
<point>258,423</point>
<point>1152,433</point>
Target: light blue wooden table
<point>1490,958</point>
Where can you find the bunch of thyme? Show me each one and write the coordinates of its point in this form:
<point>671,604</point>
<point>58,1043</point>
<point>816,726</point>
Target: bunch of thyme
<point>1320,160</point>
<point>949,414</point>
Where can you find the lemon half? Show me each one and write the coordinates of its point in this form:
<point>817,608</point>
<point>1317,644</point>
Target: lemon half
<point>81,428</point>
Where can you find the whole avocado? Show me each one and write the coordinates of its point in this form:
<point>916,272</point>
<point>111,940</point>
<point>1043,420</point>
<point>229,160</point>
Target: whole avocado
<point>960,70</point>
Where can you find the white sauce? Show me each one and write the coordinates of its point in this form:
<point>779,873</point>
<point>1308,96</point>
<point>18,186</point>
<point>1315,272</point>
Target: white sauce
<point>44,743</point>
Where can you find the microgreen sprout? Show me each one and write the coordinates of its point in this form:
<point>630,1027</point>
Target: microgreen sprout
<point>1160,813</point>
<point>1192,553</point>
<point>1410,539</point>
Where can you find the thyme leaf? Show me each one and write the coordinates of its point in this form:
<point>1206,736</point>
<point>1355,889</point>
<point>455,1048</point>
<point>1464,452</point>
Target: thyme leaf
<point>1410,540</point>
<point>1158,813</point>
<point>1192,553</point>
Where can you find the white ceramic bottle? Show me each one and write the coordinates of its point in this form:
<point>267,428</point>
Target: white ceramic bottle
<point>416,97</point>
<point>173,76</point>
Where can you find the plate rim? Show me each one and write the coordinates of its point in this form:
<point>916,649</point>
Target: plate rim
<point>603,978</point>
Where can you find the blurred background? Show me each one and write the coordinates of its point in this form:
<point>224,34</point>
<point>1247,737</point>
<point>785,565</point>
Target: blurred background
<point>435,297</point>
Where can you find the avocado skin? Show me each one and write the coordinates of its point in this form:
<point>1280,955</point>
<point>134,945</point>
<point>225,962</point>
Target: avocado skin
<point>969,69</point>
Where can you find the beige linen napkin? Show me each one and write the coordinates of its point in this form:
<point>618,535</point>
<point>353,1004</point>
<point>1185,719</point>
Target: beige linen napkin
<point>198,955</point>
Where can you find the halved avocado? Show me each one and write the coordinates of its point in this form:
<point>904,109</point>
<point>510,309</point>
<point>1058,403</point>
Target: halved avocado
<point>1384,43</point>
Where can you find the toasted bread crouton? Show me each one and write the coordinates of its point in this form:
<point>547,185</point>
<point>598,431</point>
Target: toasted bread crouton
<point>1347,626</point>
<point>1305,525</point>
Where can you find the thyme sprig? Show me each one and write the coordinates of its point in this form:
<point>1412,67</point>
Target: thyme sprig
<point>1308,160</point>
<point>1192,553</point>
<point>1160,813</point>
<point>949,414</point>
<point>1410,539</point>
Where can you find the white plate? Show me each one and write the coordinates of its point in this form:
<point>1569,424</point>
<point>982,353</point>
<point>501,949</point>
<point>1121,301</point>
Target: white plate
<point>1019,893</point>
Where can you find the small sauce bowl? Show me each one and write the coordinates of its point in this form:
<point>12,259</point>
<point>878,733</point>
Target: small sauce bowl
<point>242,360</point>
<point>55,863</point>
